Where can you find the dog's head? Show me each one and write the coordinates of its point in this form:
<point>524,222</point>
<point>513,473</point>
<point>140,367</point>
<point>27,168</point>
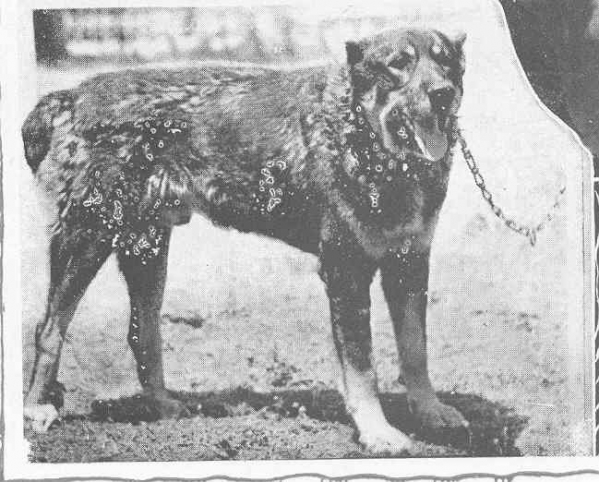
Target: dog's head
<point>408,74</point>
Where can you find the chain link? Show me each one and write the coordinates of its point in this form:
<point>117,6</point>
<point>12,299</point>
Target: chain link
<point>529,231</point>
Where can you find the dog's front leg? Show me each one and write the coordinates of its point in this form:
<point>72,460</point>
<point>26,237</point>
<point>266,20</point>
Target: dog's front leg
<point>348,277</point>
<point>405,285</point>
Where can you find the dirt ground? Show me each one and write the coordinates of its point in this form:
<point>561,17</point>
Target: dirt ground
<point>255,366</point>
<point>248,347</point>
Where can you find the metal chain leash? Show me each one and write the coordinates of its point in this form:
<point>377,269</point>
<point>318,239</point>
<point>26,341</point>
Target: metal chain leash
<point>529,231</point>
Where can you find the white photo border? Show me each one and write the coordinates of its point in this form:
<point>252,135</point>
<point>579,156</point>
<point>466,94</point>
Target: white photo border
<point>13,447</point>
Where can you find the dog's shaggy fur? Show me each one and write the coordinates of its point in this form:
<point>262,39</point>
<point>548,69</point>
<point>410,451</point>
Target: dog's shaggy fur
<point>350,163</point>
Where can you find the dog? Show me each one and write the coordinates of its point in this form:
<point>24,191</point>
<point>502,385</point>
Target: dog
<point>347,161</point>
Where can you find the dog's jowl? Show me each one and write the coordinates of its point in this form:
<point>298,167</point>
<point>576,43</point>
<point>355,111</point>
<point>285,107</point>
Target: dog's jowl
<point>348,162</point>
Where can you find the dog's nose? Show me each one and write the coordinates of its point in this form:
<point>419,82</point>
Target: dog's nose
<point>441,99</point>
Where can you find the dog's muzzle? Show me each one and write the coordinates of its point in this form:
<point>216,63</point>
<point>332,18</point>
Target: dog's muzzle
<point>441,102</point>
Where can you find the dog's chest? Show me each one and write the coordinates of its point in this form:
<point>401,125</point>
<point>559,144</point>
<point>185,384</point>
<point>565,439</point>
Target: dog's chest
<point>405,218</point>
<point>414,233</point>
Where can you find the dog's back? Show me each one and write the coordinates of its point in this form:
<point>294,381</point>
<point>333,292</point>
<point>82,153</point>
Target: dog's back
<point>240,158</point>
<point>253,104</point>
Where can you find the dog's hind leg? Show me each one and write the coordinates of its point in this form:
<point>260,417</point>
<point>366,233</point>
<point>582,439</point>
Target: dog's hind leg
<point>145,283</point>
<point>405,285</point>
<point>76,255</point>
<point>348,288</point>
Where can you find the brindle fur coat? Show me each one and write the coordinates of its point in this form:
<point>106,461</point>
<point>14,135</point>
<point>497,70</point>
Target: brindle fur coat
<point>330,160</point>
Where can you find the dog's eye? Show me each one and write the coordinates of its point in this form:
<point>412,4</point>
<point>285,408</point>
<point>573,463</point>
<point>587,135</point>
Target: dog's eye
<point>443,58</point>
<point>400,62</point>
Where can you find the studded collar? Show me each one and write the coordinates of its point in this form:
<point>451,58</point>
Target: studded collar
<point>363,163</point>
<point>371,159</point>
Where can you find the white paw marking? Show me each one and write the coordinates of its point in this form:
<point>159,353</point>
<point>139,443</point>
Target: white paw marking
<point>41,417</point>
<point>386,440</point>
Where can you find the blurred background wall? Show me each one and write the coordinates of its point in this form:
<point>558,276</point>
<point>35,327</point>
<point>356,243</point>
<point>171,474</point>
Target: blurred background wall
<point>266,34</point>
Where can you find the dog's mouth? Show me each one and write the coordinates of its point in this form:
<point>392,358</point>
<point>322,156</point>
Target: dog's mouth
<point>426,136</point>
<point>432,137</point>
<point>443,118</point>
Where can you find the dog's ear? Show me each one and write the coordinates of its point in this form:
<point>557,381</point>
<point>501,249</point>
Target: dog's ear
<point>354,52</point>
<point>458,39</point>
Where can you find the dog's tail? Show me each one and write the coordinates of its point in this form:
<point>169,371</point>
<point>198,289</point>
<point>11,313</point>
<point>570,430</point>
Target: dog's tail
<point>52,110</point>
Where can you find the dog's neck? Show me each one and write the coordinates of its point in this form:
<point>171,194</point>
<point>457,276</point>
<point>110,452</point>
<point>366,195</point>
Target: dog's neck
<point>360,148</point>
<point>360,159</point>
<point>373,159</point>
<point>348,124</point>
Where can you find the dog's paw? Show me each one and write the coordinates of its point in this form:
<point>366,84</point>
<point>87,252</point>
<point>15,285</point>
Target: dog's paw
<point>386,440</point>
<point>434,415</point>
<point>40,417</point>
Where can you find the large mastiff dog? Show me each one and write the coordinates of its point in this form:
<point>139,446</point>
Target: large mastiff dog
<point>350,163</point>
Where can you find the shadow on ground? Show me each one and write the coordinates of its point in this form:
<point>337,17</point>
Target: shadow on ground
<point>493,428</point>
